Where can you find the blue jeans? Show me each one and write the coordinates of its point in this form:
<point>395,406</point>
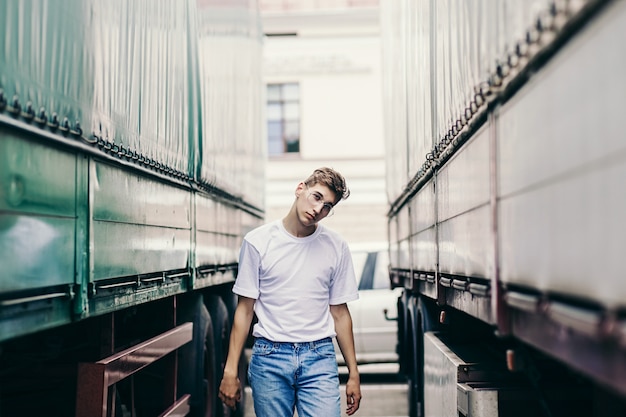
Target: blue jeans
<point>301,375</point>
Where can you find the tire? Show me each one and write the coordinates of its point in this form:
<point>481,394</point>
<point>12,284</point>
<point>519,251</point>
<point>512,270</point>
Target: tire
<point>211,382</point>
<point>230,301</point>
<point>421,320</point>
<point>196,361</point>
<point>201,363</point>
<point>221,335</point>
<point>413,361</point>
<point>403,348</point>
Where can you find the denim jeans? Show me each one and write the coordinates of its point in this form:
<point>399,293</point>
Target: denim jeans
<point>301,375</point>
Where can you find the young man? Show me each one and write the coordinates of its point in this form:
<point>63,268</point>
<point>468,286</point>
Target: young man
<point>297,276</point>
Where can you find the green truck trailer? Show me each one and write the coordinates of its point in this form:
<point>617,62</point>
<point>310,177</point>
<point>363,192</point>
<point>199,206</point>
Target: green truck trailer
<point>131,165</point>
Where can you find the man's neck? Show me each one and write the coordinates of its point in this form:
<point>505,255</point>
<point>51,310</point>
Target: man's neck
<point>297,229</point>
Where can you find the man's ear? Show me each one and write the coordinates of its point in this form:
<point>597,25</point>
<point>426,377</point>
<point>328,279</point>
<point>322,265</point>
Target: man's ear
<point>299,189</point>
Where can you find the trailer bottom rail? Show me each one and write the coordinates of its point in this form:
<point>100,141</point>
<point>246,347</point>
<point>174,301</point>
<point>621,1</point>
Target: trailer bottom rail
<point>179,409</point>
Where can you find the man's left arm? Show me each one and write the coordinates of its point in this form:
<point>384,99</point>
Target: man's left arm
<point>345,340</point>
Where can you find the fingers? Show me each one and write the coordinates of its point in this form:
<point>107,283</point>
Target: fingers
<point>230,400</point>
<point>354,402</point>
<point>230,393</point>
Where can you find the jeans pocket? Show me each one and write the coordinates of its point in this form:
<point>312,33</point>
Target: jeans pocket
<point>326,350</point>
<point>262,347</point>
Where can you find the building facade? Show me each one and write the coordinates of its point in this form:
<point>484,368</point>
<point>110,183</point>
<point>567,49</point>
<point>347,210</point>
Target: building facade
<point>322,71</point>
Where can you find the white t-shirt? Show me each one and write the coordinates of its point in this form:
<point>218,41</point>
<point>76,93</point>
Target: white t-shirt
<point>294,281</point>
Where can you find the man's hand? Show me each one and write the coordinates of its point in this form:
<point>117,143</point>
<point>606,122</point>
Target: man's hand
<point>353,395</point>
<point>230,390</point>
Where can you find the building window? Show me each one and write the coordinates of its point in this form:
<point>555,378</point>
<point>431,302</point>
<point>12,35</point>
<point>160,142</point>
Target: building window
<point>283,118</point>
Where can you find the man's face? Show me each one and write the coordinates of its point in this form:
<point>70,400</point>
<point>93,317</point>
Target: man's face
<point>315,202</point>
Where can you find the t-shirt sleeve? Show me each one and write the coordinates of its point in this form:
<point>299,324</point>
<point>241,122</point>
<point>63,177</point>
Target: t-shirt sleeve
<point>344,287</point>
<point>247,282</point>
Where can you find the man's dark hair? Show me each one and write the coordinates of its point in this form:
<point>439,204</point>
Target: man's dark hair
<point>331,179</point>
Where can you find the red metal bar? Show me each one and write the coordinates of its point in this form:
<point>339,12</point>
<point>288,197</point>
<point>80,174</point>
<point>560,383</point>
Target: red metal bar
<point>94,379</point>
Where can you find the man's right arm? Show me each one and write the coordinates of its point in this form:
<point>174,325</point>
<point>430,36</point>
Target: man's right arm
<point>230,387</point>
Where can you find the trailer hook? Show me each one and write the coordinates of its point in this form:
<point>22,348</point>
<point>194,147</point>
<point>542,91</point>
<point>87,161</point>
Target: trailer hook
<point>386,313</point>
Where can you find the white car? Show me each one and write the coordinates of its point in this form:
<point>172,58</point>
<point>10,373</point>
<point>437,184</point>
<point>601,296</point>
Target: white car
<point>374,313</point>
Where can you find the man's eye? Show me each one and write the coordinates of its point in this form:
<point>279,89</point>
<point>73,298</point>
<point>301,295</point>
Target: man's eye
<point>317,197</point>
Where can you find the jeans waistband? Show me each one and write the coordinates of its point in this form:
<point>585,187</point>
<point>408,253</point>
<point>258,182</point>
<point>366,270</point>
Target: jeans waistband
<point>310,344</point>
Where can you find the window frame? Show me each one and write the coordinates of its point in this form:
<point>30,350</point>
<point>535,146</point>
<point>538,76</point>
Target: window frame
<point>283,118</point>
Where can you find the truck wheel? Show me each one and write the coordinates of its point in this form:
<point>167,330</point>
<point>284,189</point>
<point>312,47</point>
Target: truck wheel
<point>196,360</point>
<point>413,359</point>
<point>211,382</point>
<point>402,348</point>
<point>221,329</point>
<point>422,317</point>
<point>230,300</point>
